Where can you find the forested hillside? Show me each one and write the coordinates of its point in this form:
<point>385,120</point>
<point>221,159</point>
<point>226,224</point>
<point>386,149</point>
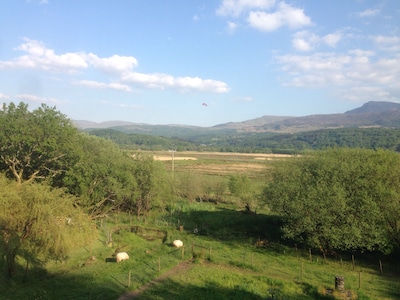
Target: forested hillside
<point>368,138</point>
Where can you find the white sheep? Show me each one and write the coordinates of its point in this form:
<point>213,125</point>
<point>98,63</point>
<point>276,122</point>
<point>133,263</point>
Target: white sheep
<point>177,243</point>
<point>122,256</point>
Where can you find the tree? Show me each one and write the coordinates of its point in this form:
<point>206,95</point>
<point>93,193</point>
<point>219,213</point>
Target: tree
<point>242,187</point>
<point>35,145</point>
<point>340,199</point>
<point>151,181</point>
<point>38,223</point>
<point>103,178</point>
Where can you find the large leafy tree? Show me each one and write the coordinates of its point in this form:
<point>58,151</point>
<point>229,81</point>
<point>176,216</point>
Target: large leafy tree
<point>153,186</point>
<point>37,224</point>
<point>103,178</point>
<point>35,145</point>
<point>341,199</point>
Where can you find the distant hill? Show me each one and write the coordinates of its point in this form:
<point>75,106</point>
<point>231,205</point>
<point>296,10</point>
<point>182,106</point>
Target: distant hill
<point>371,114</point>
<point>375,107</point>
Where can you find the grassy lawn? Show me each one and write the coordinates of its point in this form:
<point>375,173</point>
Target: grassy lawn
<point>235,255</point>
<point>238,257</point>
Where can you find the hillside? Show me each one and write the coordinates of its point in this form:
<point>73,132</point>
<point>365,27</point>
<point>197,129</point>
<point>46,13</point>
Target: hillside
<point>371,114</point>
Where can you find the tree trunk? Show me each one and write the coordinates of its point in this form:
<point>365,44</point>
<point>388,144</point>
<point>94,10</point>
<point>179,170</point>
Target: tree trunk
<point>10,263</point>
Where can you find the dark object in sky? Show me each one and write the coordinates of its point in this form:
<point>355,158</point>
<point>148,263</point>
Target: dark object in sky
<point>204,104</point>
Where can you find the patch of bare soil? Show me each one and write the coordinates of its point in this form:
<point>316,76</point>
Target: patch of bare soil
<point>181,267</point>
<point>163,158</point>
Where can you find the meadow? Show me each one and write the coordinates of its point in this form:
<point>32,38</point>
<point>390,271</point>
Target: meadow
<point>228,253</point>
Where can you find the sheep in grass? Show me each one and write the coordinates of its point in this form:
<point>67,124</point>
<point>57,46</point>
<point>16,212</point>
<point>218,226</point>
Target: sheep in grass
<point>121,256</point>
<point>177,243</point>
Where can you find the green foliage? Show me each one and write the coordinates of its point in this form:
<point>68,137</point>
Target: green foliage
<point>102,178</point>
<point>142,141</point>
<point>343,199</point>
<point>154,187</point>
<point>35,145</point>
<point>38,223</point>
<point>241,186</point>
<point>262,142</point>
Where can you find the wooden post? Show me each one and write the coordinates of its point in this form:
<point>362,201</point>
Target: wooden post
<point>183,252</point>
<point>209,254</point>
<point>192,248</point>
<point>129,278</point>
<point>359,279</point>
<point>352,259</point>
<point>309,250</point>
<point>381,267</point>
<point>159,264</point>
<point>302,269</point>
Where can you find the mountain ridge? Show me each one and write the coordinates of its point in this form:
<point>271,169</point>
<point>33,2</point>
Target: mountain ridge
<point>370,114</point>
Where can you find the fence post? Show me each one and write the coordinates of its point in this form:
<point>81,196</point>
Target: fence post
<point>129,278</point>
<point>381,267</point>
<point>159,264</point>
<point>183,252</point>
<point>302,269</point>
<point>352,259</point>
<point>309,250</point>
<point>209,254</point>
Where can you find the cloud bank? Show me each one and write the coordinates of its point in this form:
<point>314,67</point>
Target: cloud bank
<point>119,68</point>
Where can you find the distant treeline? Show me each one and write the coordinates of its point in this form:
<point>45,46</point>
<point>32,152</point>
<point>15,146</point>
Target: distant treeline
<point>367,138</point>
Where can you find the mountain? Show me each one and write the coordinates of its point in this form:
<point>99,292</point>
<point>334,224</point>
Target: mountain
<point>375,107</point>
<point>371,114</point>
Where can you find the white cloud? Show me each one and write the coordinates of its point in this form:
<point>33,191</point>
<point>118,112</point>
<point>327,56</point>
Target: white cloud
<point>4,96</point>
<point>332,39</point>
<point>162,81</point>
<point>231,26</point>
<point>366,93</point>
<point>38,56</point>
<point>113,64</point>
<point>368,13</point>
<point>37,99</point>
<point>387,43</point>
<point>102,85</point>
<point>285,15</point>
<point>122,105</point>
<point>357,68</point>
<point>236,7</point>
<point>307,41</point>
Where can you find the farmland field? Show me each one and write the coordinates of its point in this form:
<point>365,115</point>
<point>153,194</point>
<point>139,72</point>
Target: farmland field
<point>228,252</point>
<point>217,163</point>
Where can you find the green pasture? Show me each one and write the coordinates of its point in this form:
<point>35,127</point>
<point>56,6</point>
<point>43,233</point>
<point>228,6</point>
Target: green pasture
<point>235,255</point>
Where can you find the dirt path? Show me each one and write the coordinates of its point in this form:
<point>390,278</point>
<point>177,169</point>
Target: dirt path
<point>181,267</point>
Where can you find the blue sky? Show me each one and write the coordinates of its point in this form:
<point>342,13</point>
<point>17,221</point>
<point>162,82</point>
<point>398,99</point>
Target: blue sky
<point>198,62</point>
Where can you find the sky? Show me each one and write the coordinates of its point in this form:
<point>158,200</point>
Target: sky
<point>198,62</point>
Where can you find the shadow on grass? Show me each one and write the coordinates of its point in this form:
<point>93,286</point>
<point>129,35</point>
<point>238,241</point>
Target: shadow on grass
<point>170,289</point>
<point>61,287</point>
<point>233,226</point>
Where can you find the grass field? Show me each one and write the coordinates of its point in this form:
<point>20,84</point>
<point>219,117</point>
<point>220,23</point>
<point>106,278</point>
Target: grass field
<point>235,255</point>
<point>216,163</point>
